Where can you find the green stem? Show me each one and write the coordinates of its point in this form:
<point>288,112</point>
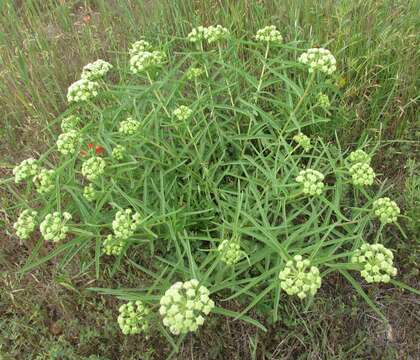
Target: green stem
<point>226,80</point>
<point>158,95</point>
<point>262,71</point>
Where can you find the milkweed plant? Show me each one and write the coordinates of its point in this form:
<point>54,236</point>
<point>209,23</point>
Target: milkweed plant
<point>203,170</point>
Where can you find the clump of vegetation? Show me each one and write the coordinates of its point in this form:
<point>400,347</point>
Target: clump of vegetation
<point>214,171</point>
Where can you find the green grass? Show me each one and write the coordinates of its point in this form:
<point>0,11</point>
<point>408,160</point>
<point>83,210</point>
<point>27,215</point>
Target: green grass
<point>43,49</point>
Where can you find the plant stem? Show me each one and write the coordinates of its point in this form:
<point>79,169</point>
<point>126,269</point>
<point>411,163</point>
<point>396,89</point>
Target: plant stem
<point>158,95</point>
<point>262,71</point>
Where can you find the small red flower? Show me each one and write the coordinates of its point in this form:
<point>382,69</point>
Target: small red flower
<point>99,149</point>
<point>90,146</point>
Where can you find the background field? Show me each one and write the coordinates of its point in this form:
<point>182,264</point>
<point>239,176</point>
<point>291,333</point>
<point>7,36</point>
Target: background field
<point>44,44</point>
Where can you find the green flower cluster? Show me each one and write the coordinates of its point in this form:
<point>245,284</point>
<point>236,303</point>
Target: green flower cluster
<point>216,33</point>
<point>53,227</point>
<point>139,46</point>
<point>96,70</point>
<point>182,305</point>
<point>82,90</point>
<point>386,210</point>
<point>324,101</point>
<point>70,123</point>
<point>25,223</point>
<point>125,223</point>
<point>67,142</point>
<point>25,170</point>
<point>145,60</point>
<point>129,126</point>
<point>89,192</point>
<point>299,278</point>
<point>230,251</point>
<point>132,318</point>
<point>303,141</point>
<point>376,261</point>
<point>113,245</point>
<point>118,152</point>
<point>44,181</point>
<point>269,34</point>
<point>182,113</point>
<point>193,73</point>
<point>211,33</point>
<point>319,59</point>
<point>359,156</point>
<point>312,181</point>
<point>93,168</point>
<point>362,174</point>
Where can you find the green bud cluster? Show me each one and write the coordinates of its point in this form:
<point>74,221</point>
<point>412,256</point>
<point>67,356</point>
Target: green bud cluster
<point>125,223</point>
<point>70,123</point>
<point>182,113</point>
<point>303,141</point>
<point>319,59</point>
<point>54,228</point>
<point>44,181</point>
<point>133,318</point>
<point>25,170</point>
<point>376,262</point>
<point>96,70</point>
<point>82,90</point>
<point>359,156</point>
<point>113,246</point>
<point>386,210</point>
<point>194,73</point>
<point>118,152</point>
<point>299,278</point>
<point>145,60</point>
<point>312,181</point>
<point>362,174</point>
<point>324,101</point>
<point>89,192</point>
<point>215,33</point>
<point>230,251</point>
<point>139,47</point>
<point>67,142</point>
<point>269,34</point>
<point>25,223</point>
<point>182,305</point>
<point>93,168</point>
<point>129,126</point>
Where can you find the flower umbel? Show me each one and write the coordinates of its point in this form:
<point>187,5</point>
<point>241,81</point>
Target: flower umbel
<point>82,90</point>
<point>197,34</point>
<point>215,33</point>
<point>182,113</point>
<point>386,210</point>
<point>144,60</point>
<point>230,251</point>
<point>67,142</point>
<point>362,174</point>
<point>93,168</point>
<point>139,46</point>
<point>25,170</point>
<point>299,278</point>
<point>25,223</point>
<point>90,193</point>
<point>324,101</point>
<point>113,245</point>
<point>44,181</point>
<point>133,318</point>
<point>182,305</point>
<point>118,152</point>
<point>129,126</point>
<point>96,70</point>
<point>125,223</point>
<point>269,34</point>
<point>303,141</point>
<point>359,156</point>
<point>376,262</point>
<point>193,73</point>
<point>53,227</point>
<point>319,59</point>
<point>312,181</point>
